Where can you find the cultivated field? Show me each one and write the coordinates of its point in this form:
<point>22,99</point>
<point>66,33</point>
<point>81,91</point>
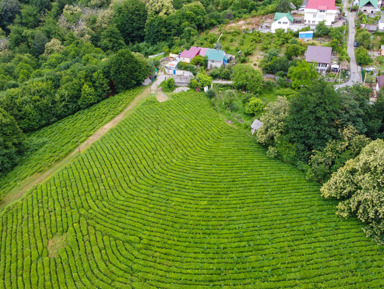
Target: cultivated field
<point>174,198</point>
<point>54,142</point>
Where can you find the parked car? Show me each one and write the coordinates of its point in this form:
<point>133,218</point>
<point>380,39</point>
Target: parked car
<point>355,44</point>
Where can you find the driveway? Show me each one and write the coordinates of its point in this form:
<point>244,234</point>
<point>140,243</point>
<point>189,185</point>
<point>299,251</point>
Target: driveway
<point>355,76</point>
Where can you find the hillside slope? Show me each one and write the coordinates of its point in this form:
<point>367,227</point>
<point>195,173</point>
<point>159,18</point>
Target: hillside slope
<point>174,198</point>
<point>52,143</point>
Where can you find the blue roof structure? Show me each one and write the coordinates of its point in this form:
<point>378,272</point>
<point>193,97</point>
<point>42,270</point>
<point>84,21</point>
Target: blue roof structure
<point>215,55</point>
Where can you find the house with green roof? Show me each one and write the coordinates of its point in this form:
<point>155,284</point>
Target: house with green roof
<point>282,21</point>
<point>368,7</point>
<point>215,58</point>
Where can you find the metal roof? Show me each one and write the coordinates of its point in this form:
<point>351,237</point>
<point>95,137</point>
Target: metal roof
<point>318,54</point>
<point>321,5</point>
<point>365,2</point>
<point>256,124</point>
<point>215,55</point>
<point>278,16</point>
<point>191,53</point>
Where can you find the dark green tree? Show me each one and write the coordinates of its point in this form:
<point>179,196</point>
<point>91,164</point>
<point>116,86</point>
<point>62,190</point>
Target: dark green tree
<point>321,29</point>
<point>313,118</point>
<point>111,39</point>
<point>9,9</point>
<point>363,57</point>
<point>38,45</point>
<point>364,38</point>
<point>247,78</point>
<point>43,4</point>
<point>12,141</point>
<point>30,16</point>
<point>283,6</point>
<point>130,18</point>
<point>125,70</point>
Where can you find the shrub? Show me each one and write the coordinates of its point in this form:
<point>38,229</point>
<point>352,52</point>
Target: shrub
<point>255,106</point>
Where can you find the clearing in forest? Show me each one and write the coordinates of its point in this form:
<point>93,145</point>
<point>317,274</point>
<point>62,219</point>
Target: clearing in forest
<point>172,197</point>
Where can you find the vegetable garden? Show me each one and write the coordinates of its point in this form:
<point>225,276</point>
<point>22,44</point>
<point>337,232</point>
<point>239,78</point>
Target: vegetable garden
<point>174,198</point>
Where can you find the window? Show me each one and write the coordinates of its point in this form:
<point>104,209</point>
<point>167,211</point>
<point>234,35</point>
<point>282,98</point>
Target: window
<point>285,22</point>
<point>279,22</point>
<point>322,11</point>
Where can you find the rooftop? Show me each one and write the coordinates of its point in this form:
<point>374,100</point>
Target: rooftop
<point>256,124</point>
<point>191,53</point>
<point>321,4</point>
<point>366,2</point>
<point>380,81</point>
<point>278,16</point>
<point>215,55</point>
<point>203,51</point>
<point>318,54</point>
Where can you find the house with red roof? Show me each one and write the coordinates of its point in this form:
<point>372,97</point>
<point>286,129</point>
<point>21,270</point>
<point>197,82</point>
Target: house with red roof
<point>317,11</point>
<point>188,55</point>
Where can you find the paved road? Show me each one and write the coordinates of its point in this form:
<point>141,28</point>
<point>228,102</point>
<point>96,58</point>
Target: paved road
<point>355,76</point>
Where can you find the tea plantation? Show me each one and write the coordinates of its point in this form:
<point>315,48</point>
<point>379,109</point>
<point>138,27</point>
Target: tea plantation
<point>175,198</point>
<point>54,142</point>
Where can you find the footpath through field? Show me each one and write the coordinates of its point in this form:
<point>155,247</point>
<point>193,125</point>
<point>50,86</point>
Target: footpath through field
<point>41,177</point>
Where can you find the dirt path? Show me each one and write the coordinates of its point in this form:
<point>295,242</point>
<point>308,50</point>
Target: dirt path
<point>39,178</point>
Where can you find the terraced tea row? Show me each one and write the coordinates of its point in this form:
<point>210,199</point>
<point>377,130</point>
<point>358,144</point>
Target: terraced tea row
<point>175,198</point>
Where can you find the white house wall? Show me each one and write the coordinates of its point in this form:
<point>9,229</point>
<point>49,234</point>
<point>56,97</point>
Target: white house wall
<point>282,23</point>
<point>185,59</point>
<point>212,64</point>
<point>314,16</point>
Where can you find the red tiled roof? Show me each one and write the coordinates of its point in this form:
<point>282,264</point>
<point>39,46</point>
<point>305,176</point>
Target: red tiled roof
<point>380,81</point>
<point>321,5</point>
<point>191,53</point>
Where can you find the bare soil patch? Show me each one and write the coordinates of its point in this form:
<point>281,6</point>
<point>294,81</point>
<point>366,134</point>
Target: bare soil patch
<point>56,244</point>
<point>250,23</point>
<point>161,97</point>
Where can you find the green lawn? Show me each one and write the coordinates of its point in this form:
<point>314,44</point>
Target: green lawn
<point>54,142</point>
<point>175,198</point>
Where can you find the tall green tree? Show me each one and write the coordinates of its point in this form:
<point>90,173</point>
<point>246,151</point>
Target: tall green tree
<point>130,18</point>
<point>364,38</point>
<point>247,78</point>
<point>362,56</point>
<point>283,6</point>
<point>336,153</point>
<point>9,9</point>
<point>321,29</point>
<point>302,74</point>
<point>359,186</point>
<point>12,141</point>
<point>314,117</point>
<point>111,39</point>
<point>125,70</point>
